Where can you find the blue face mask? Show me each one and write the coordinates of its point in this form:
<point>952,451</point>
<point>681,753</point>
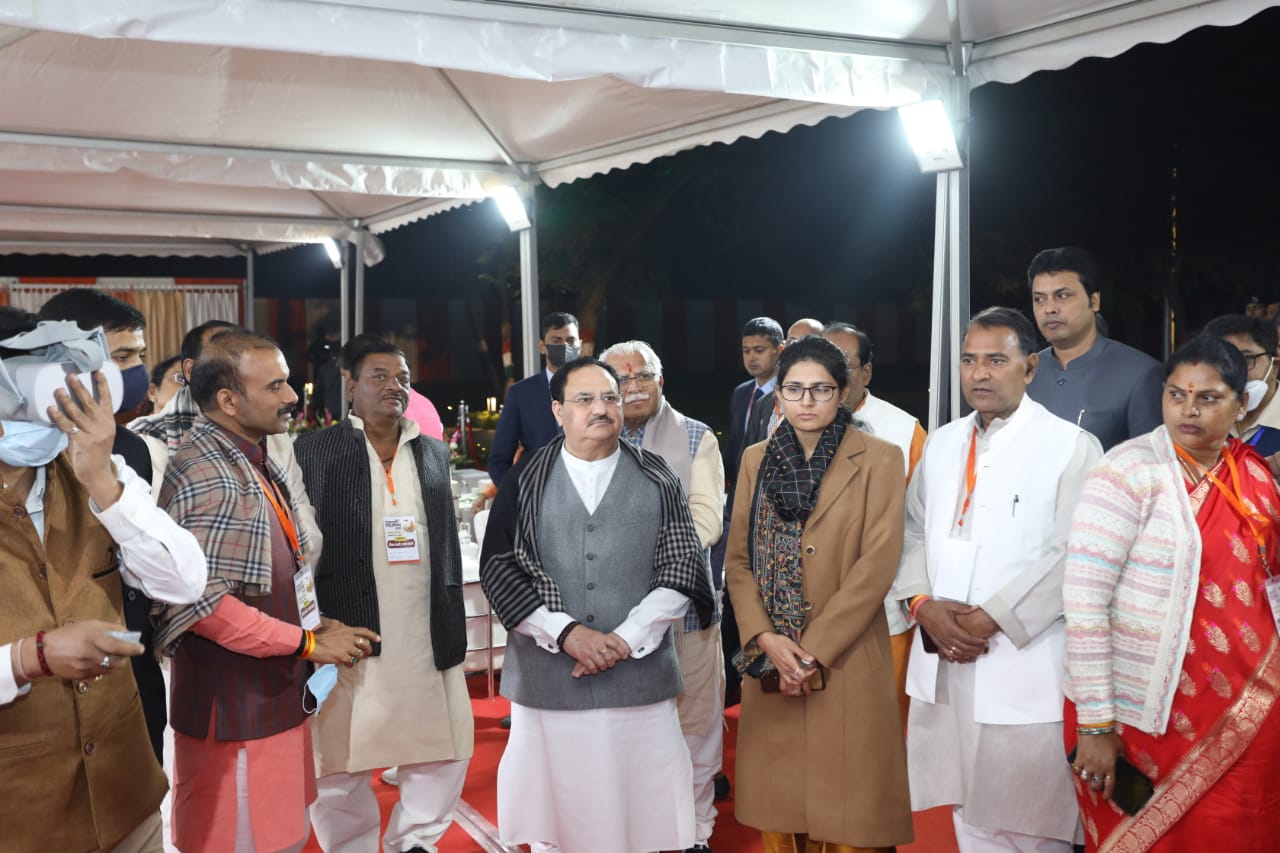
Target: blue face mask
<point>135,380</point>
<point>27,445</point>
<point>321,684</point>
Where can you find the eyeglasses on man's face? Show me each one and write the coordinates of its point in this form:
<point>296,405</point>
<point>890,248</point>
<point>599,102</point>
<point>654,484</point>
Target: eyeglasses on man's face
<point>639,379</point>
<point>794,393</point>
<point>586,401</point>
<point>1251,358</point>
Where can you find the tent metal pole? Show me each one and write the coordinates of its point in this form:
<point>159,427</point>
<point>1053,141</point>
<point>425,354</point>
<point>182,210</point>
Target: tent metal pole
<point>939,370</point>
<point>958,311</point>
<point>529,312</point>
<point>958,278</point>
<point>344,309</point>
<point>248,288</point>
<point>359,265</point>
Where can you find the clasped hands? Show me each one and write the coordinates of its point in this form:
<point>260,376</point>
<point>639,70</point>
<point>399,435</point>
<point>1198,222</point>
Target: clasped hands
<point>594,652</point>
<point>960,630</point>
<point>795,666</point>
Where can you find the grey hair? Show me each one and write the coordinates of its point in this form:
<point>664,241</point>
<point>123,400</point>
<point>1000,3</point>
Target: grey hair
<point>639,348</point>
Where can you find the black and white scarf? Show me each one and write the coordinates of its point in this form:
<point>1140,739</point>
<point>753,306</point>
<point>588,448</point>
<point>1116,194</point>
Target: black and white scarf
<point>789,480</point>
<point>511,571</point>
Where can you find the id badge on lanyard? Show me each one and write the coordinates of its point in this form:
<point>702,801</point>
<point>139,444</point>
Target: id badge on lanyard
<point>304,582</point>
<point>400,535</point>
<point>304,588</point>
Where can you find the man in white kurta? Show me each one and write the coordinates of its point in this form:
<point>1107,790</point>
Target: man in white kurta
<point>590,557</point>
<point>691,449</point>
<point>399,707</point>
<point>988,512</point>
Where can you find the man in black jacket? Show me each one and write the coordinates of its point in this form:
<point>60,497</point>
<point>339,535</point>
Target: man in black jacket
<point>391,561</point>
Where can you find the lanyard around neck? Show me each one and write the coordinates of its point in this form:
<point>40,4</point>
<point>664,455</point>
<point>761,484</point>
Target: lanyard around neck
<point>970,476</point>
<point>1235,498</point>
<point>276,499</point>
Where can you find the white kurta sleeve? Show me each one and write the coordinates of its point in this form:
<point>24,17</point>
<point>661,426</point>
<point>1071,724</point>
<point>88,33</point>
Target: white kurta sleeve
<point>9,689</point>
<point>647,623</point>
<point>544,626</point>
<point>706,490</point>
<point>156,554</point>
<point>913,573</point>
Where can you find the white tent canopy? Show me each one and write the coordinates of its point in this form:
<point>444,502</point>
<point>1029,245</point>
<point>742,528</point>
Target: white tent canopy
<point>161,125</point>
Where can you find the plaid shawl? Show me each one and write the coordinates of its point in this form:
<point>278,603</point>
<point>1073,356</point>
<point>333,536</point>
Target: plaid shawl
<point>511,572</point>
<point>172,422</point>
<point>210,489</point>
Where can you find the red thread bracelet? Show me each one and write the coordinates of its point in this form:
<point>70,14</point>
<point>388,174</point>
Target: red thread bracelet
<point>44,664</point>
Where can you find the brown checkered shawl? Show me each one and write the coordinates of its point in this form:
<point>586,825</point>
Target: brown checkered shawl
<point>210,489</point>
<point>511,570</point>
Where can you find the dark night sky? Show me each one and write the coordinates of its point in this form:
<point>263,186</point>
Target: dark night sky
<point>1081,156</point>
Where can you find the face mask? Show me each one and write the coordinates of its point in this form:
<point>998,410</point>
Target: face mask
<point>321,684</point>
<point>1255,390</point>
<point>27,445</point>
<point>558,354</point>
<point>135,381</point>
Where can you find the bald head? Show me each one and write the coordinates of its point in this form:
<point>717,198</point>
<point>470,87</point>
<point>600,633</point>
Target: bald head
<point>800,328</point>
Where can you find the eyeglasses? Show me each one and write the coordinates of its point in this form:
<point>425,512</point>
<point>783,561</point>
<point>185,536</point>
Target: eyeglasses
<point>638,378</point>
<point>1251,358</point>
<point>795,393</point>
<point>586,401</point>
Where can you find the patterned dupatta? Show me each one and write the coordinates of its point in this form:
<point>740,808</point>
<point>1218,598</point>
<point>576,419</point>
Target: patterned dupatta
<point>1222,738</point>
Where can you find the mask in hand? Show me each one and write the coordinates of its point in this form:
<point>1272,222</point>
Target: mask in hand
<point>558,354</point>
<point>28,445</point>
<point>320,685</point>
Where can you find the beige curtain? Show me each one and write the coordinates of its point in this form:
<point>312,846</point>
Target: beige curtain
<point>166,321</point>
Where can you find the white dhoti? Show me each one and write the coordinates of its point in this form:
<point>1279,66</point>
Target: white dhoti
<point>1003,778</point>
<point>701,709</point>
<point>613,779</point>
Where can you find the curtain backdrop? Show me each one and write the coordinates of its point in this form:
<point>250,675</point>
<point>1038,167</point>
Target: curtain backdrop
<point>211,302</point>
<point>170,306</point>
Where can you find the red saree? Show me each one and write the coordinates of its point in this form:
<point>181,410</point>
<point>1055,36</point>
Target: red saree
<point>1214,768</point>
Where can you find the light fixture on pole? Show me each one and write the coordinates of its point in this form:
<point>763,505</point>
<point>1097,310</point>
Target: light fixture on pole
<point>331,249</point>
<point>511,206</point>
<point>929,132</point>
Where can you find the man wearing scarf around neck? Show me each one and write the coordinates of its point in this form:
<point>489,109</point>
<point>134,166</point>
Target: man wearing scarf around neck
<point>691,449</point>
<point>589,559</point>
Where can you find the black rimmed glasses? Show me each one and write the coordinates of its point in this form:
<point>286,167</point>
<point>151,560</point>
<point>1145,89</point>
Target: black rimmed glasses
<point>795,393</point>
<point>1251,358</point>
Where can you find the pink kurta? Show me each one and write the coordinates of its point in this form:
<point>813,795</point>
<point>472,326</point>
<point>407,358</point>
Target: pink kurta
<point>281,775</point>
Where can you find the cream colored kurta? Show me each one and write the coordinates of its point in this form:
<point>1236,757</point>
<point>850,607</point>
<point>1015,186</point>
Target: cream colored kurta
<point>396,708</point>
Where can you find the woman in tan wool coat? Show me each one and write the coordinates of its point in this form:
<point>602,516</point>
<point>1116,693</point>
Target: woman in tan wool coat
<point>813,549</point>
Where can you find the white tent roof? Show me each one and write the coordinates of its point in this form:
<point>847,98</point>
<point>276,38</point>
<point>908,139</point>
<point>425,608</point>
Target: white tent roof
<point>171,123</point>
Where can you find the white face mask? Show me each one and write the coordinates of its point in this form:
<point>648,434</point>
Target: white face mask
<point>1256,389</point>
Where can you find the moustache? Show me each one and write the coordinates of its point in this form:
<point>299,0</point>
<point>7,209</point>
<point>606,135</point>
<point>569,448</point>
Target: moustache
<point>600,419</point>
<point>636,397</point>
<point>285,411</point>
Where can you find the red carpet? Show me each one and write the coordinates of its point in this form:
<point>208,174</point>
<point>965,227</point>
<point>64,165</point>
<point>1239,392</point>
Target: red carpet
<point>933,828</point>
